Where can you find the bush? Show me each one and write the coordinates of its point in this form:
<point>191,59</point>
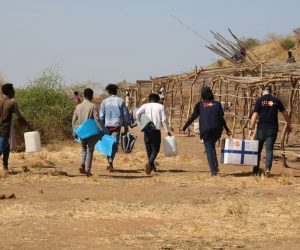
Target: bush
<point>47,106</point>
<point>220,63</point>
<point>249,43</point>
<point>287,44</point>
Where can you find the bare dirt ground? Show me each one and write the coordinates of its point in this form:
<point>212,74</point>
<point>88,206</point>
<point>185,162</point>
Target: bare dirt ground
<point>178,207</point>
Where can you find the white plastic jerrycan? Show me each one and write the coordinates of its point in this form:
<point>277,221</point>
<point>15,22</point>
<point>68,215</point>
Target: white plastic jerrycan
<point>196,128</point>
<point>170,147</point>
<point>32,141</point>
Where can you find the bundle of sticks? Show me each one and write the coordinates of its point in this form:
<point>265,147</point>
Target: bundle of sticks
<point>234,52</point>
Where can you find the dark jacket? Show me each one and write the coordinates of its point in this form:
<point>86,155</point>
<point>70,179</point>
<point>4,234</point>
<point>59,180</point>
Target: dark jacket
<point>211,119</point>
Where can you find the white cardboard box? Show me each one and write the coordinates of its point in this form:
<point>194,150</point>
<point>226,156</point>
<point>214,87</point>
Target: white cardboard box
<point>239,152</point>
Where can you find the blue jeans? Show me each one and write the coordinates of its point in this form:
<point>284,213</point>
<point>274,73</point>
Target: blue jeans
<point>4,150</point>
<point>115,134</point>
<point>210,147</point>
<point>267,136</point>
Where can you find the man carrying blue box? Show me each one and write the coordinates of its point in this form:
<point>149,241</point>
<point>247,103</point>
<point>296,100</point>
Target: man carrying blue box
<point>83,113</point>
<point>114,115</point>
<point>266,108</point>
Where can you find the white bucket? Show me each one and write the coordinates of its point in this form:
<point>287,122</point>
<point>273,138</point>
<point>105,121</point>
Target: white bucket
<point>32,141</point>
<point>170,147</point>
<point>196,128</point>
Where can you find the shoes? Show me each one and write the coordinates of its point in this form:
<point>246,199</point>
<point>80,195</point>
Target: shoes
<point>214,174</point>
<point>256,171</point>
<point>268,173</point>
<point>88,174</point>
<point>148,169</point>
<point>82,169</point>
<point>153,167</point>
<point>110,167</point>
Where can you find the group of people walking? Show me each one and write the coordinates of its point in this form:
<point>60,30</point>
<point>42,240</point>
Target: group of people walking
<point>113,114</point>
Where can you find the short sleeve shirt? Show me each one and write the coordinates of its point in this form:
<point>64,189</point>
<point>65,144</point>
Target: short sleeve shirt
<point>268,106</point>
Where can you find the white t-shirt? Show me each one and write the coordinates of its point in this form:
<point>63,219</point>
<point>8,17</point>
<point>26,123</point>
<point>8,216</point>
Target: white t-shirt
<point>156,113</point>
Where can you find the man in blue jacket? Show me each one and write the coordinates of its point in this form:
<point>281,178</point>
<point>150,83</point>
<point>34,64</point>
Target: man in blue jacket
<point>114,115</point>
<point>211,123</point>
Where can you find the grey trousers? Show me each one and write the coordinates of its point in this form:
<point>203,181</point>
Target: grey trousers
<point>88,151</point>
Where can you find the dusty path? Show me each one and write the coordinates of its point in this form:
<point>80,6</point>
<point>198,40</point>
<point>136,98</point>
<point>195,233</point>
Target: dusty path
<point>179,207</point>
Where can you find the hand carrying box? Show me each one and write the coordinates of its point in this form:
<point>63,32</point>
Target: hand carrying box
<point>239,152</point>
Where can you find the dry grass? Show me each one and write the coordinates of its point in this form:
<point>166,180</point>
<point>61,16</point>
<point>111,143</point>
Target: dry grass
<point>271,51</point>
<point>181,207</point>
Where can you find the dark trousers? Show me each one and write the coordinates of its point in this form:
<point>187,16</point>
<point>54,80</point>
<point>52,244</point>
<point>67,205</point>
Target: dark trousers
<point>152,139</point>
<point>211,154</point>
<point>4,150</point>
<point>267,136</point>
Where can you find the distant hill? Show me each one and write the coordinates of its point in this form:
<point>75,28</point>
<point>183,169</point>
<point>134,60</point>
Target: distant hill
<point>270,50</point>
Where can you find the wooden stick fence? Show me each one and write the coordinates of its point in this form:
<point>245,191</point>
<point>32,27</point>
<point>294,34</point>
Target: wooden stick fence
<point>236,88</point>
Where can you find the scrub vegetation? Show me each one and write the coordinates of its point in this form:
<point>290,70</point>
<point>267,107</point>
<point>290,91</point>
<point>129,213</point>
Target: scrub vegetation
<point>46,104</point>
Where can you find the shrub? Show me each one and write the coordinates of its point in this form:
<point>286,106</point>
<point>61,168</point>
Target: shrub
<point>287,43</point>
<point>217,64</point>
<point>220,63</point>
<point>47,106</point>
<point>80,86</point>
<point>249,43</point>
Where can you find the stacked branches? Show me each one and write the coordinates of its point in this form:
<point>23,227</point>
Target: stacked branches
<point>234,52</point>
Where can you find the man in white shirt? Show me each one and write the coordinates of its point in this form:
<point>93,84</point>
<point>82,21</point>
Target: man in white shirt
<point>152,136</point>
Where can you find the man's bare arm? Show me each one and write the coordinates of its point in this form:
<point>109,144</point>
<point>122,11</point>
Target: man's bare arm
<point>253,120</point>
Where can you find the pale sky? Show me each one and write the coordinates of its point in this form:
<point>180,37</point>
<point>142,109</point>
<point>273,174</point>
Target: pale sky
<point>114,40</point>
